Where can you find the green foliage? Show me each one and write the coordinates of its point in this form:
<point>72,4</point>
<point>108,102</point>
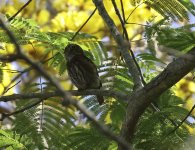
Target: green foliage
<point>10,140</point>
<point>181,38</point>
<point>175,9</point>
<point>156,128</point>
<point>87,138</point>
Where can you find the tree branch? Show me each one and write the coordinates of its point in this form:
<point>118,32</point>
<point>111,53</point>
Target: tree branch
<point>7,88</point>
<point>122,20</point>
<point>11,18</point>
<point>21,110</point>
<point>141,98</point>
<point>122,43</point>
<point>83,24</point>
<point>181,123</point>
<point>46,95</point>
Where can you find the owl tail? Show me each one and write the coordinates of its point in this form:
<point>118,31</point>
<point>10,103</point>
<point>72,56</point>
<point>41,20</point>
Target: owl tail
<point>100,99</point>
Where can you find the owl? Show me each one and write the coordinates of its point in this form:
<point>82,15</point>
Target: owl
<point>82,71</point>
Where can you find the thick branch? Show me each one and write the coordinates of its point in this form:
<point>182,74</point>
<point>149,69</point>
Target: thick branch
<point>122,43</point>
<point>140,99</point>
<point>47,95</point>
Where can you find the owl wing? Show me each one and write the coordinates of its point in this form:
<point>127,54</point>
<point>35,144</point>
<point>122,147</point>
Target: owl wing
<point>93,80</point>
<point>83,73</point>
<point>76,74</point>
<point>92,77</point>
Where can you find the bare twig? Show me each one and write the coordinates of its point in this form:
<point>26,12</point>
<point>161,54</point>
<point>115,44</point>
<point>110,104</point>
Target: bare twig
<point>66,96</point>
<point>11,70</point>
<point>84,24</point>
<point>42,112</point>
<point>14,79</point>
<point>122,9</point>
<point>21,73</point>
<point>122,20</point>
<point>21,110</point>
<point>7,89</point>
<point>189,113</point>
<point>133,11</point>
<point>11,18</point>
<point>138,24</point>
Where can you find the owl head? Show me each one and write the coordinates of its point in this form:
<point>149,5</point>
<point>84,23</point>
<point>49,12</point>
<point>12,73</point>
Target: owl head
<point>72,50</point>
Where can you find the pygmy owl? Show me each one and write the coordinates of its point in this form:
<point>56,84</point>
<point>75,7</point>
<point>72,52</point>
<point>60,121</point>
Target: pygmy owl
<point>82,71</point>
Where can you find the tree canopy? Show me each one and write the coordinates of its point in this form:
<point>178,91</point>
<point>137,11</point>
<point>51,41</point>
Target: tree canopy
<point>144,51</point>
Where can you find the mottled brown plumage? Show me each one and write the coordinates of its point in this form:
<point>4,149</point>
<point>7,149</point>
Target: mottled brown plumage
<point>82,71</point>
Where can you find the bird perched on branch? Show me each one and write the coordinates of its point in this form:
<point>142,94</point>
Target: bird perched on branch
<point>82,71</point>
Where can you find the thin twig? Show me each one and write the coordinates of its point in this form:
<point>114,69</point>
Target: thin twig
<point>121,20</point>
<point>21,73</point>
<point>14,79</point>
<point>7,89</point>
<point>21,110</point>
<point>133,11</point>
<point>41,115</point>
<point>83,24</point>
<point>138,24</point>
<point>177,127</point>
<point>11,18</point>
<point>122,9</point>
<point>189,113</point>
<point>127,38</point>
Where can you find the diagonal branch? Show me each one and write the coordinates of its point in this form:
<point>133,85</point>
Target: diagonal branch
<point>141,99</point>
<point>122,20</point>
<point>11,18</point>
<point>66,96</point>
<point>122,43</point>
<point>7,88</point>
<point>21,110</point>
<point>181,123</point>
<point>83,24</point>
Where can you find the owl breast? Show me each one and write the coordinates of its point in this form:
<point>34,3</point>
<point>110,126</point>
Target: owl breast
<point>83,73</point>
